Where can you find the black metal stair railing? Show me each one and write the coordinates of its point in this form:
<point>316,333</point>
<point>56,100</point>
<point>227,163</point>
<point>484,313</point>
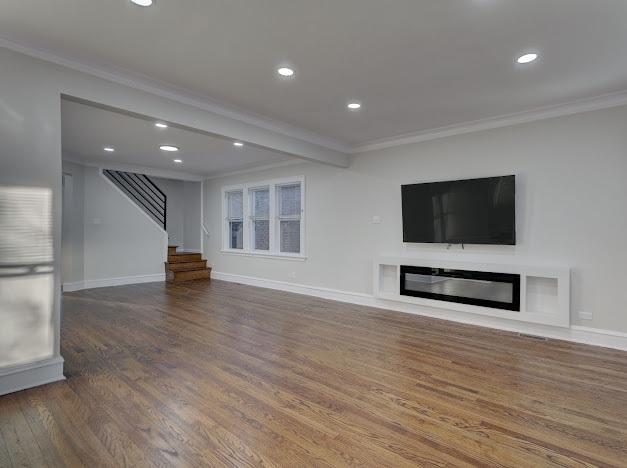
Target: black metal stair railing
<point>143,191</point>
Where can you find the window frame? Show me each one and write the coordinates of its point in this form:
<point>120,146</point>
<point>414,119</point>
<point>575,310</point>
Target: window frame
<point>226,232</point>
<point>274,218</point>
<point>252,218</point>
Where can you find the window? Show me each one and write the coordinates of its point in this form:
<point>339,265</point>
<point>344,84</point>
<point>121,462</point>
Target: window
<point>235,219</point>
<point>289,218</point>
<point>265,218</point>
<point>260,217</point>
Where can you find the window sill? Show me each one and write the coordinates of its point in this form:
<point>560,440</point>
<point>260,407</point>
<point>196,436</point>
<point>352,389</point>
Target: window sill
<point>292,257</point>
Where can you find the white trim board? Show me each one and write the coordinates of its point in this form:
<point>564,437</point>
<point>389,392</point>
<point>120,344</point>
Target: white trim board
<point>177,94</point>
<point>33,374</point>
<point>108,282</point>
<point>151,172</point>
<point>254,168</point>
<point>604,101</point>
<point>576,334</point>
<point>182,96</point>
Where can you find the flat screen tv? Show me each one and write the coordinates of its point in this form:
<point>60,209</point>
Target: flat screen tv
<point>474,211</point>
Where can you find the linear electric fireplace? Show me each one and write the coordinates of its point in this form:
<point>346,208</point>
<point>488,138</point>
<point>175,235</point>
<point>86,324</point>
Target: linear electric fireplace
<point>480,288</point>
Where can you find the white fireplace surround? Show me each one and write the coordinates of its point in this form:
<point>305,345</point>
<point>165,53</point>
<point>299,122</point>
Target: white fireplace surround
<point>544,291</point>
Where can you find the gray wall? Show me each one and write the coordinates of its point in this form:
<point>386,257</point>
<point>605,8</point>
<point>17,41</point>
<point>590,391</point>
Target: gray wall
<point>30,157</point>
<point>120,239</point>
<point>192,215</point>
<point>110,237</point>
<point>175,219</point>
<point>183,214</point>
<point>73,226</point>
<point>571,208</point>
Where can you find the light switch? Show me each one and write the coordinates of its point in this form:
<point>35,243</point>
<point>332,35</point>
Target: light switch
<point>376,220</point>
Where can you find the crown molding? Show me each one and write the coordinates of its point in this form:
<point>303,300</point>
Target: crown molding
<point>149,171</point>
<point>254,168</point>
<point>176,175</point>
<point>604,101</point>
<point>177,94</point>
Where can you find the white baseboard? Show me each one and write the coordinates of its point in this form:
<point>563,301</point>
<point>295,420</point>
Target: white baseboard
<point>107,282</point>
<point>21,377</point>
<point>575,333</point>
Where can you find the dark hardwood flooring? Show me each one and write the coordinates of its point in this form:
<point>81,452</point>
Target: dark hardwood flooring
<point>220,374</point>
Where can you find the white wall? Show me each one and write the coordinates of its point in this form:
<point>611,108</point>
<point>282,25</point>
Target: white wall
<point>192,216</point>
<point>73,226</point>
<point>175,213</point>
<point>111,237</point>
<point>30,156</point>
<point>120,239</point>
<point>571,208</point>
<point>183,214</point>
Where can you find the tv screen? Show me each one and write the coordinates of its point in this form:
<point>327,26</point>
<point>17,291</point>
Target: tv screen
<point>475,211</point>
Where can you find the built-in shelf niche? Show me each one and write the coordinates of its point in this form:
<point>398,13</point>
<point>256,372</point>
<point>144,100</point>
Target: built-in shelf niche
<point>544,291</point>
<point>542,294</point>
<point>389,279</point>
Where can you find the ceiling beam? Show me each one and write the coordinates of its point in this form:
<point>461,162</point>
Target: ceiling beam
<point>110,88</point>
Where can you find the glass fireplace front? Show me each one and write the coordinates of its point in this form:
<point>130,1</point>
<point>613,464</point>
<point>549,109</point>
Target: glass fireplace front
<point>495,290</point>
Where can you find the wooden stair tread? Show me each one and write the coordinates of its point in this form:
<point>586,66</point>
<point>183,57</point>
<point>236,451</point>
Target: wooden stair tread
<point>184,257</point>
<point>188,275</point>
<point>186,266</point>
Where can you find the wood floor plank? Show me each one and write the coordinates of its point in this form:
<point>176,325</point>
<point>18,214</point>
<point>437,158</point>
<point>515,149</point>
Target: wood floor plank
<point>5,458</point>
<point>20,441</point>
<point>221,374</point>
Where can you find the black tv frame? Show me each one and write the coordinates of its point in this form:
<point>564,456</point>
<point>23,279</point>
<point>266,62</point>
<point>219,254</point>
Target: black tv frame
<point>472,242</point>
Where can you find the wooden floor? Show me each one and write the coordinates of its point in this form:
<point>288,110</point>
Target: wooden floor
<point>219,374</point>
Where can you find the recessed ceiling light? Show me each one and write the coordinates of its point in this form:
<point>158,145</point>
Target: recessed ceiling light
<point>354,105</point>
<point>168,148</point>
<point>109,149</point>
<point>143,2</point>
<point>161,125</point>
<point>239,144</point>
<point>178,161</point>
<point>285,71</point>
<point>527,58</point>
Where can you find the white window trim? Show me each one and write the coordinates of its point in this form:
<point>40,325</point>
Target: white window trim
<point>251,218</point>
<point>225,219</point>
<point>274,251</point>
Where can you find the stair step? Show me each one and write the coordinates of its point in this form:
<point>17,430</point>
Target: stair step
<point>179,276</point>
<point>172,249</point>
<point>184,257</point>
<point>185,266</point>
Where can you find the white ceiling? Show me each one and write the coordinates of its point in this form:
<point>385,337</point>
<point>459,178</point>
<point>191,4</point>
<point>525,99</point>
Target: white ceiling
<point>86,130</point>
<point>415,64</point>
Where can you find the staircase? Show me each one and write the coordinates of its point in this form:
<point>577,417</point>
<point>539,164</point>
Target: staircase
<point>143,191</point>
<point>185,266</point>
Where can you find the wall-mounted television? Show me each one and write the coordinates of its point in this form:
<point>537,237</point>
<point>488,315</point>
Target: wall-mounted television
<point>473,211</point>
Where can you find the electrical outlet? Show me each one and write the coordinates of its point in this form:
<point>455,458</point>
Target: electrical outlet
<point>376,220</point>
<point>585,315</point>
